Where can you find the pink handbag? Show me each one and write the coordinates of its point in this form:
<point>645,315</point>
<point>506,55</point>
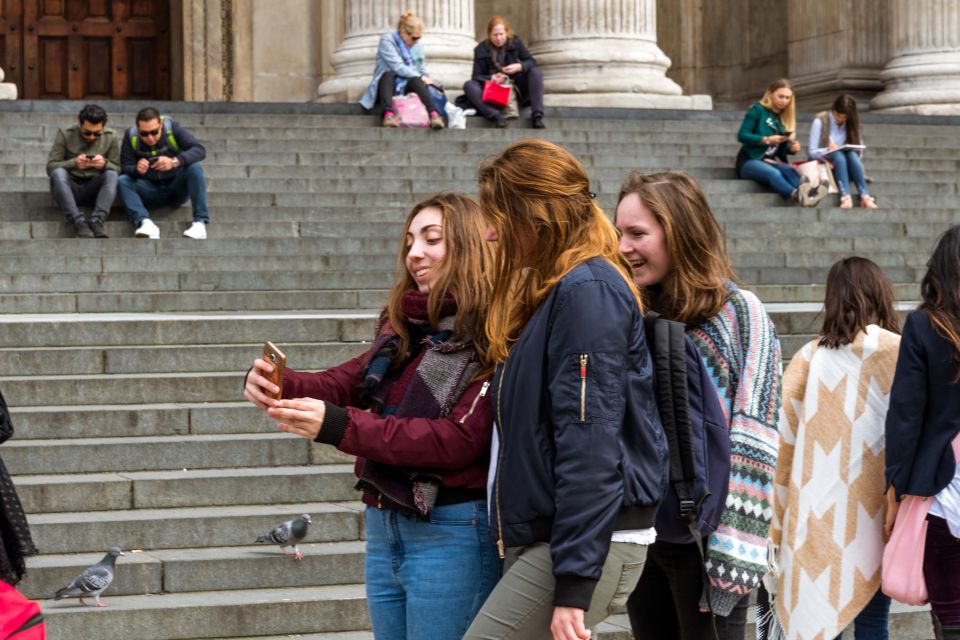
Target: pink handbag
<point>902,574</point>
<point>411,111</point>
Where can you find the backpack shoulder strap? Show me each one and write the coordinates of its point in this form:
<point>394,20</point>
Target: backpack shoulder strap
<point>168,131</point>
<point>132,132</point>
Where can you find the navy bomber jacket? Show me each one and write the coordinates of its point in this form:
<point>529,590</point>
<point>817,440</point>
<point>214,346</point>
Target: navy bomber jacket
<point>188,151</point>
<point>581,449</point>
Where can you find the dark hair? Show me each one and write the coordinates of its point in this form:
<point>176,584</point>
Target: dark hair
<point>846,105</point>
<point>858,294</point>
<point>147,114</point>
<point>93,113</point>
<point>940,290</point>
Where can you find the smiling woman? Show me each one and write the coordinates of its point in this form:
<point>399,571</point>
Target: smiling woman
<point>414,410</point>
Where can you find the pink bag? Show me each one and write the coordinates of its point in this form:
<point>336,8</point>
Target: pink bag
<point>496,94</point>
<point>411,111</point>
<point>902,574</point>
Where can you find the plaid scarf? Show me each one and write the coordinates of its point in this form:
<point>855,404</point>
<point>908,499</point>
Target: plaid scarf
<point>428,382</point>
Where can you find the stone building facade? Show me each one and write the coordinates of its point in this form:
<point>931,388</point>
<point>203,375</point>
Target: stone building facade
<point>893,55</point>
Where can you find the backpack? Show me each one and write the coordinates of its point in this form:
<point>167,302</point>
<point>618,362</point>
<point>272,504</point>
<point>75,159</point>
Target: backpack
<point>20,619</point>
<point>696,431</point>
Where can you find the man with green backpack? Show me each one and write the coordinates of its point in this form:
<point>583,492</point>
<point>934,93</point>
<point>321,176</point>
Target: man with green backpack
<point>160,167</point>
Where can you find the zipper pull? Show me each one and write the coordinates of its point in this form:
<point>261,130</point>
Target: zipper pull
<point>501,550</point>
<point>583,388</point>
<point>483,389</point>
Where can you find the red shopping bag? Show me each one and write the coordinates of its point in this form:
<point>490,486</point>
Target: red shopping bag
<point>495,94</point>
<point>20,619</point>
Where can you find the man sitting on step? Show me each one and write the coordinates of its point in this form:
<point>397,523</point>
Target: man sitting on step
<point>83,166</point>
<point>160,164</point>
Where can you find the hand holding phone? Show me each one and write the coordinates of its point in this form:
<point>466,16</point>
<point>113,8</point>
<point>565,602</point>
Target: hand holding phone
<point>278,361</point>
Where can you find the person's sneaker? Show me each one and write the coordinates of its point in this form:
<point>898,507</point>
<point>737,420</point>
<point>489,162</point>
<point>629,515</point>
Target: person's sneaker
<point>537,121</point>
<point>500,122</point>
<point>97,227</point>
<point>197,231</point>
<point>81,229</point>
<point>147,230</point>
<point>436,122</point>
<point>391,120</point>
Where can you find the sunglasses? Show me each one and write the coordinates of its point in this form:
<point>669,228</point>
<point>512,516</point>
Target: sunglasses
<point>90,134</point>
<point>149,133</point>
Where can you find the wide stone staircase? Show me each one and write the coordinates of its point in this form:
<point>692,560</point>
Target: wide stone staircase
<point>123,358</point>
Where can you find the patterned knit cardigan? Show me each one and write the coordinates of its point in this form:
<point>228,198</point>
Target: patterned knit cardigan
<point>740,348</point>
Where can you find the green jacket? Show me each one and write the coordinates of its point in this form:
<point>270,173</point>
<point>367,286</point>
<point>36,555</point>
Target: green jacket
<point>758,123</point>
<point>69,144</point>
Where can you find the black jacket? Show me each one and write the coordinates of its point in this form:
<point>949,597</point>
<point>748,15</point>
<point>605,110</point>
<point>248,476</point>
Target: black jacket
<point>924,414</point>
<point>579,456</point>
<point>190,151</point>
<point>483,66</point>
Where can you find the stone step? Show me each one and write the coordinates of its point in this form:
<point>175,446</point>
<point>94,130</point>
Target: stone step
<point>68,361</point>
<point>212,614</point>
<point>184,528</point>
<point>203,569</point>
<point>192,301</point>
<point>184,328</point>
<point>65,422</point>
<point>192,487</point>
<point>160,453</point>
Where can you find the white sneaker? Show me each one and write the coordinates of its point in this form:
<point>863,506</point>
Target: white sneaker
<point>147,230</point>
<point>197,231</point>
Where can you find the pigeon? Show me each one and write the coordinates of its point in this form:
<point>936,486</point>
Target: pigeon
<point>289,534</point>
<point>93,580</point>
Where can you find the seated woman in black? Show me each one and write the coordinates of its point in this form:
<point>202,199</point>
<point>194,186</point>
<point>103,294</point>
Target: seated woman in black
<point>501,57</point>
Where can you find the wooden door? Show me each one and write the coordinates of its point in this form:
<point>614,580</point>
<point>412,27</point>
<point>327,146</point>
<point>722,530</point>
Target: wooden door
<point>11,49</point>
<point>82,49</point>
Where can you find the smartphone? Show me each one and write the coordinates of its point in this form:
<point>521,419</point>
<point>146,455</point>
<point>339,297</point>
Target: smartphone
<point>277,358</point>
<point>786,133</point>
<point>153,160</point>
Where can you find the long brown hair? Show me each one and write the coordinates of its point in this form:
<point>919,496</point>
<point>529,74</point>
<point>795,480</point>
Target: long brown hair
<point>696,287</point>
<point>464,272</point>
<point>858,294</point>
<point>788,117</point>
<point>536,196</point>
<point>847,106</point>
<point>940,289</point>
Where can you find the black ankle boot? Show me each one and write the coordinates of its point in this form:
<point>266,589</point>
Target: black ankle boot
<point>96,226</point>
<point>81,229</point>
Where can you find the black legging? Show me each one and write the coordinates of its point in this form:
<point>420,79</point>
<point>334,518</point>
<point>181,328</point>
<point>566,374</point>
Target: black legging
<point>414,85</point>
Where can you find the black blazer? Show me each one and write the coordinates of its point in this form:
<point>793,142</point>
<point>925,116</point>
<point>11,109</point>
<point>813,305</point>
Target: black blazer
<point>483,67</point>
<point>924,414</point>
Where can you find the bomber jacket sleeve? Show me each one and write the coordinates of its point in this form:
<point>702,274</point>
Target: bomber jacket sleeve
<point>339,385</point>
<point>450,442</point>
<point>57,158</point>
<point>587,415</point>
<point>112,154</point>
<point>908,400</point>
<point>482,63</point>
<point>748,128</point>
<point>191,151</point>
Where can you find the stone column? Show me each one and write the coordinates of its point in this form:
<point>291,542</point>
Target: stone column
<point>8,90</point>
<point>836,47</point>
<point>604,53</point>
<point>923,75</point>
<point>448,42</point>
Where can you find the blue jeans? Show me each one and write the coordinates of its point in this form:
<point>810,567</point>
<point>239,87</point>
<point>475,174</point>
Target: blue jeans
<point>139,193</point>
<point>871,623</point>
<point>782,178</point>
<point>846,165</point>
<point>427,580</point>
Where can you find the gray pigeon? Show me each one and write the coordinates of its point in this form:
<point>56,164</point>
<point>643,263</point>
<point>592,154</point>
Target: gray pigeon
<point>287,535</point>
<point>93,580</point>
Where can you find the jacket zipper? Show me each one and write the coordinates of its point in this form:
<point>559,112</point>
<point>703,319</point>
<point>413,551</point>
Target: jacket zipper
<point>583,388</point>
<point>476,399</point>
<point>29,624</point>
<point>501,549</point>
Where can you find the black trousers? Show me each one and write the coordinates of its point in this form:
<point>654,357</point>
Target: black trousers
<point>529,84</point>
<point>666,603</point>
<point>414,85</point>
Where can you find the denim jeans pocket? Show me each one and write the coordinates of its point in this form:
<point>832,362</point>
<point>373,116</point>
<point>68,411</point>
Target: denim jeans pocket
<point>629,576</point>
<point>464,514</point>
